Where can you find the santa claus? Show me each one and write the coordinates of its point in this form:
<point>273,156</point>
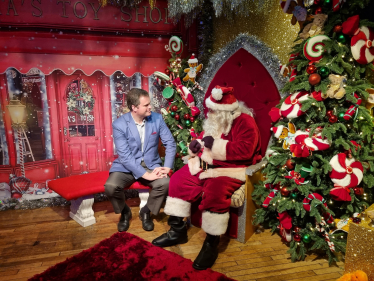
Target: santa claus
<point>216,168</point>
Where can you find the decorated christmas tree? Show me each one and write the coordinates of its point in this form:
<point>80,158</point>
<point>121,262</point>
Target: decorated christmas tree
<point>178,83</point>
<point>319,175</point>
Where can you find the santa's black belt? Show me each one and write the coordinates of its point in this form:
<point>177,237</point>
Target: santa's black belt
<point>205,166</point>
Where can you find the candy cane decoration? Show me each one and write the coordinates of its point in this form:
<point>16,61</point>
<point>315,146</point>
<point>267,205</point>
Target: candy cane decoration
<point>308,200</point>
<point>272,194</point>
<point>321,228</point>
<point>353,108</point>
<point>175,45</point>
<point>313,48</point>
<point>20,147</point>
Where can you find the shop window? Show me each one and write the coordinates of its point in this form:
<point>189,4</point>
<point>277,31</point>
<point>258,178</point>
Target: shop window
<point>80,105</point>
<point>120,85</point>
<point>30,90</point>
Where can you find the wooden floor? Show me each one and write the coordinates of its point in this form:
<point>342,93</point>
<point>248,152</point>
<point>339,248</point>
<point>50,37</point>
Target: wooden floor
<point>33,240</point>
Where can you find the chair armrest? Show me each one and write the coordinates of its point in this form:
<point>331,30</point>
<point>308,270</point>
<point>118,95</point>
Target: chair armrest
<point>251,170</point>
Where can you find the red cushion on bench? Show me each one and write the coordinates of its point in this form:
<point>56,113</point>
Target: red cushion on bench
<point>77,186</point>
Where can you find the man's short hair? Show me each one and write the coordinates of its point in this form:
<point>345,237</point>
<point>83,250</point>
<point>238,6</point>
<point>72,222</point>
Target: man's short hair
<point>133,97</point>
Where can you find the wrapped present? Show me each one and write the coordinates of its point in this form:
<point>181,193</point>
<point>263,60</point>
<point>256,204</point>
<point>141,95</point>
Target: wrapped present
<point>360,247</point>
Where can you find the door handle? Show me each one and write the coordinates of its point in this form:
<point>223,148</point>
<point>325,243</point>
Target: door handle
<point>65,131</point>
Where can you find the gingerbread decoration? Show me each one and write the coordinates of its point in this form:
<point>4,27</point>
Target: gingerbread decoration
<point>193,70</point>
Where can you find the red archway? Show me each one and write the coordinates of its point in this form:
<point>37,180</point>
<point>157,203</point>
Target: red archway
<point>253,85</point>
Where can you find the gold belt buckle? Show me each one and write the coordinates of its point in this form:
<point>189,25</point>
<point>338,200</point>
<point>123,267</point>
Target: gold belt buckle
<point>202,165</point>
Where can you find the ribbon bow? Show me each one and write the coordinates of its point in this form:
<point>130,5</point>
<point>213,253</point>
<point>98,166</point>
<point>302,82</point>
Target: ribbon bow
<point>340,193</point>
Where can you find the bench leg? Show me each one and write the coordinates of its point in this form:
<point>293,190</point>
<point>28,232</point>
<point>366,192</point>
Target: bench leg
<point>143,195</point>
<point>81,210</point>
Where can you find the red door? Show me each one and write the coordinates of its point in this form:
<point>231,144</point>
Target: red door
<point>80,118</point>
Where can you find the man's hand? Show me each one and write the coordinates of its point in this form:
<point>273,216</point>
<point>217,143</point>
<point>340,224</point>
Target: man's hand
<point>194,146</point>
<point>163,171</point>
<point>153,176</point>
<point>208,142</point>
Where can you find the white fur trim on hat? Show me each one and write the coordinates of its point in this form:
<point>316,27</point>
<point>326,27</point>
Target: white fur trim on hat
<point>214,223</point>
<point>217,94</point>
<point>192,59</point>
<point>177,207</point>
<point>216,106</point>
<point>277,131</point>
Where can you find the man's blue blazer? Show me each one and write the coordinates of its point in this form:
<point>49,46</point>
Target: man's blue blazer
<point>127,141</point>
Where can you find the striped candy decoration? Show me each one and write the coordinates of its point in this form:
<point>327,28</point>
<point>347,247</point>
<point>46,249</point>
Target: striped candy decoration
<point>346,172</point>
<point>314,142</point>
<point>291,108</point>
<point>321,228</point>
<point>313,48</point>
<point>175,45</point>
<point>308,200</point>
<point>353,108</point>
<point>362,40</point>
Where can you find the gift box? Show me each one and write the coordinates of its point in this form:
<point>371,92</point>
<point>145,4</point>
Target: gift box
<point>360,247</point>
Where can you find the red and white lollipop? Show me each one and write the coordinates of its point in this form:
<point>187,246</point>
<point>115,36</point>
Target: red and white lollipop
<point>346,172</point>
<point>291,107</point>
<point>313,48</point>
<point>362,40</point>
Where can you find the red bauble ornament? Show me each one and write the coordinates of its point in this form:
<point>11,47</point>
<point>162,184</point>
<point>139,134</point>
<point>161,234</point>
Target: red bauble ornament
<point>314,79</point>
<point>333,119</point>
<point>174,108</point>
<point>297,229</point>
<point>297,237</point>
<point>16,195</point>
<point>311,69</point>
<point>167,71</point>
<point>329,113</point>
<point>318,11</point>
<point>177,155</point>
<point>192,119</point>
<point>338,28</point>
<point>177,117</point>
<point>317,2</point>
<point>290,164</point>
<point>358,190</point>
<point>285,192</point>
<point>186,116</point>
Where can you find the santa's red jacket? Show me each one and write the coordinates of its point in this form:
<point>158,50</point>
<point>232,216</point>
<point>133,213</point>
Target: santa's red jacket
<point>232,153</point>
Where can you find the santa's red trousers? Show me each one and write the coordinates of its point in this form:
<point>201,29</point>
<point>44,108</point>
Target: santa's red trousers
<point>216,192</point>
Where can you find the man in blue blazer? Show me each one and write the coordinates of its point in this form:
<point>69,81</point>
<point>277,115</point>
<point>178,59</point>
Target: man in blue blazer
<point>136,136</point>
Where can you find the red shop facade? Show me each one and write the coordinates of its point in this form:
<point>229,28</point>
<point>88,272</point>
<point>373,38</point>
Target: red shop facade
<point>71,63</point>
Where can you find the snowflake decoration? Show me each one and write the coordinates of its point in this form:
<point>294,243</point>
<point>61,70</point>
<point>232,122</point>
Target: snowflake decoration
<point>71,104</point>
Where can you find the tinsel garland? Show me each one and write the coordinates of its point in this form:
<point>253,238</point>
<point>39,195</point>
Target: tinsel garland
<point>177,8</point>
<point>205,33</point>
<point>255,47</point>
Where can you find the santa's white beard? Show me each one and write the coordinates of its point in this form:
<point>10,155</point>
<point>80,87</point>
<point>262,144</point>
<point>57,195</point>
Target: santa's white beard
<point>217,123</point>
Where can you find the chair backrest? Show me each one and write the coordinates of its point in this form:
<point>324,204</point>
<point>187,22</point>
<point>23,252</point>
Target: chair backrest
<point>253,85</point>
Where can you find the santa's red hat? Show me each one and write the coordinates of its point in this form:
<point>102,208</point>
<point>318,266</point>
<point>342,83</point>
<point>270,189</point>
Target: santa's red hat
<point>222,98</point>
<point>277,131</point>
<point>192,59</point>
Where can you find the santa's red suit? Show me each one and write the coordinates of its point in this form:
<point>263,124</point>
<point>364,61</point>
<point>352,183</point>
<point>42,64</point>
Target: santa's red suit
<point>226,160</point>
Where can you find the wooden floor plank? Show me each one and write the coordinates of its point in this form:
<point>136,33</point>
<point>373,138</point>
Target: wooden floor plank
<point>33,240</point>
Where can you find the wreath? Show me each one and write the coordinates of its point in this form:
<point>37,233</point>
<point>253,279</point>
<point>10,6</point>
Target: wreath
<point>87,105</point>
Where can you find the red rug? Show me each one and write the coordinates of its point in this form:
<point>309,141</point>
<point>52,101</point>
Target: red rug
<point>124,256</point>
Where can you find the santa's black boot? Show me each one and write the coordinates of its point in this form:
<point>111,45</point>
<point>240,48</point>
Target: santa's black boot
<point>208,253</point>
<point>177,233</point>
